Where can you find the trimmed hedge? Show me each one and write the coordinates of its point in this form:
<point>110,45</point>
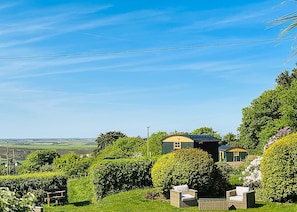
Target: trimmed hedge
<point>9,201</point>
<point>189,166</point>
<point>112,176</point>
<point>279,170</point>
<point>37,183</point>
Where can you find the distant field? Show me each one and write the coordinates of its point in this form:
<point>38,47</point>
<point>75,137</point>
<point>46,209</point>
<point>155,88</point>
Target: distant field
<point>20,148</point>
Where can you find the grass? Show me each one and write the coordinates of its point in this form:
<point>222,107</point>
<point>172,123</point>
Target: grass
<point>81,198</point>
<point>234,179</point>
<point>66,146</point>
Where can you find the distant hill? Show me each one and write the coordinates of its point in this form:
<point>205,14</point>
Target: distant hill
<point>20,148</point>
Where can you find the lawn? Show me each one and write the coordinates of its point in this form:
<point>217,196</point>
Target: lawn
<point>81,199</point>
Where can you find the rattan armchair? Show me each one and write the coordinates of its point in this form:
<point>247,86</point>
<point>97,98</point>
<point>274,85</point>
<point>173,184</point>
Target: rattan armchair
<point>241,197</point>
<point>182,196</point>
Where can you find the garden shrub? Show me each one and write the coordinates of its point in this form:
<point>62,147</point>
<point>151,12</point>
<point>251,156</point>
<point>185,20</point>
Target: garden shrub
<point>190,166</point>
<point>72,164</point>
<point>225,169</point>
<point>279,170</point>
<point>252,174</point>
<point>112,176</point>
<point>127,147</point>
<point>9,201</point>
<point>35,160</point>
<point>36,183</point>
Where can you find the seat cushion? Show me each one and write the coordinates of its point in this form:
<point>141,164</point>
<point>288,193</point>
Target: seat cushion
<point>187,197</point>
<point>236,198</point>
<point>241,189</point>
<point>182,188</point>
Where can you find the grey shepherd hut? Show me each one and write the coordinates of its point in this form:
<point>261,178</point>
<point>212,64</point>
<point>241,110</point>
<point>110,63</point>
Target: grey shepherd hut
<point>207,143</point>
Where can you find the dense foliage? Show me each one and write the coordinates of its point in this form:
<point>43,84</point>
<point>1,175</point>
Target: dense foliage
<point>225,169</point>
<point>230,139</point>
<point>36,160</point>
<point>208,131</point>
<point>106,139</point>
<point>9,201</point>
<point>279,170</point>
<point>155,144</point>
<point>112,176</point>
<point>271,111</point>
<point>188,166</point>
<point>36,183</point>
<point>127,147</point>
<point>72,164</point>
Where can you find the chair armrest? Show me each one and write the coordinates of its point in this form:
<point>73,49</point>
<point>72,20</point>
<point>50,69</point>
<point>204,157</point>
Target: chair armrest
<point>175,194</point>
<point>193,192</point>
<point>175,198</point>
<point>230,193</point>
<point>249,198</point>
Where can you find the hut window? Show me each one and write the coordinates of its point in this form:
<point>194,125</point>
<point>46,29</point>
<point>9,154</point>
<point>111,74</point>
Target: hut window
<point>236,154</point>
<point>177,145</point>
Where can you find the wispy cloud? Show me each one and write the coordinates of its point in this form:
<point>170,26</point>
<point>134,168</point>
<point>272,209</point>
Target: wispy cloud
<point>6,6</point>
<point>224,18</point>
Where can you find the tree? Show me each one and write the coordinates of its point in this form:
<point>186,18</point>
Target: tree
<point>271,111</point>
<point>108,138</point>
<point>127,147</point>
<point>72,164</point>
<point>263,111</point>
<point>294,74</point>
<point>155,144</point>
<point>37,159</point>
<point>230,139</point>
<point>206,131</point>
<point>283,79</point>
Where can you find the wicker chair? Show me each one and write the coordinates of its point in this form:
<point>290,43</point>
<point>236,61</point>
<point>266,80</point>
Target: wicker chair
<point>182,196</point>
<point>241,197</point>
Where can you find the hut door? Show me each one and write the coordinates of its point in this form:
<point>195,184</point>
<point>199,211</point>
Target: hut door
<point>236,156</point>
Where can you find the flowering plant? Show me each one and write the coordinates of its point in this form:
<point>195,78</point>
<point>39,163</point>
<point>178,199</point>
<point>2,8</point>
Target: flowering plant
<point>252,173</point>
<point>281,133</point>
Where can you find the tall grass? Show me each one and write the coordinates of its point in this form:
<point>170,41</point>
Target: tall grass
<point>80,190</point>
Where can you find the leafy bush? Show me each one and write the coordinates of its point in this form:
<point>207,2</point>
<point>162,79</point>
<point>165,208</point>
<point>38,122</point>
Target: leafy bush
<point>127,147</point>
<point>10,202</point>
<point>155,144</point>
<point>252,173</point>
<point>36,183</point>
<point>225,169</point>
<point>35,160</point>
<point>188,166</point>
<point>279,170</point>
<point>112,176</point>
<point>72,164</point>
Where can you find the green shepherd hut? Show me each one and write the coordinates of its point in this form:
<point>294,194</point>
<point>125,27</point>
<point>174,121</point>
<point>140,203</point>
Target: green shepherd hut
<point>232,154</point>
<point>207,143</point>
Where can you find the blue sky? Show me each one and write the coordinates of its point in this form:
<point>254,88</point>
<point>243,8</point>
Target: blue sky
<point>77,69</point>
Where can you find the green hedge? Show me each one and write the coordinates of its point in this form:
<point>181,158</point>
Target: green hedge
<point>36,183</point>
<point>279,170</point>
<point>112,176</point>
